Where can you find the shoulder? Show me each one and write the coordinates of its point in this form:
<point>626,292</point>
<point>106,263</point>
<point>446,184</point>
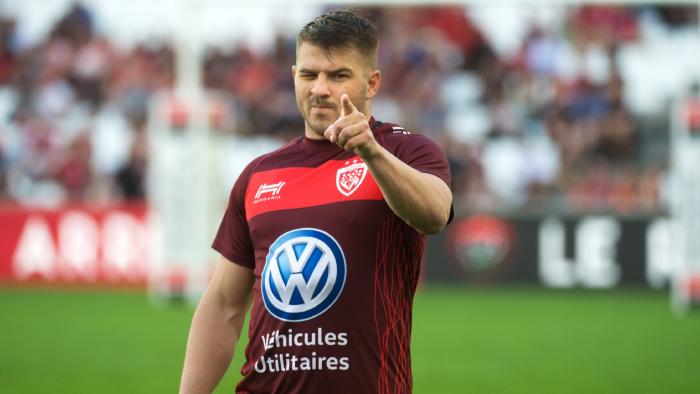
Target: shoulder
<point>271,159</point>
<point>260,163</point>
<point>396,137</point>
<point>387,128</point>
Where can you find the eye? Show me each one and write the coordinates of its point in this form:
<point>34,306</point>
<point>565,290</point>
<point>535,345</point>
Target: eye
<point>307,75</point>
<point>341,76</point>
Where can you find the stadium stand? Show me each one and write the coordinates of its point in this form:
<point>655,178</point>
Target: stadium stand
<point>572,117</point>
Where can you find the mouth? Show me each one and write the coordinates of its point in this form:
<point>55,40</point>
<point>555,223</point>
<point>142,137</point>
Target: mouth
<point>322,108</point>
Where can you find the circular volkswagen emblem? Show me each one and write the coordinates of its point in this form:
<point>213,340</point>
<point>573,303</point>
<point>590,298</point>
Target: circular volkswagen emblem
<point>304,274</point>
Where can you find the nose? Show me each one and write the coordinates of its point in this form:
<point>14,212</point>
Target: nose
<point>320,87</point>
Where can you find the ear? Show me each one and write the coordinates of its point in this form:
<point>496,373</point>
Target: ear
<point>375,80</point>
<point>294,71</point>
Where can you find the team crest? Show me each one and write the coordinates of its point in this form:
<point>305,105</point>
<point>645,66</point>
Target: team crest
<point>349,178</point>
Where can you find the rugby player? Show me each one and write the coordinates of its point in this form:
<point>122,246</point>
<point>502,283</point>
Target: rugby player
<point>324,237</point>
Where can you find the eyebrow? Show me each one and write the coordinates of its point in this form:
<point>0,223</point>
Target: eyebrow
<point>335,71</point>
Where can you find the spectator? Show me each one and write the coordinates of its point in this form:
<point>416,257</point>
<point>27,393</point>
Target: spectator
<point>558,104</point>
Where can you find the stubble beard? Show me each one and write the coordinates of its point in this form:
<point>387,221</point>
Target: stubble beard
<point>320,124</point>
<point>317,124</point>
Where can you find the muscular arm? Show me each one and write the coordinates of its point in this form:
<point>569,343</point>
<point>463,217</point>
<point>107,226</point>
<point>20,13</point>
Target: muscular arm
<point>216,326</point>
<point>422,200</point>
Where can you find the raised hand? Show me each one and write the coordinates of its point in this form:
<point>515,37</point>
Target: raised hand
<point>351,131</point>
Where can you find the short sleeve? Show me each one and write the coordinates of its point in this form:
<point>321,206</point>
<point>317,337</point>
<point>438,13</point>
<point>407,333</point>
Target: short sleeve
<point>421,153</point>
<point>233,237</point>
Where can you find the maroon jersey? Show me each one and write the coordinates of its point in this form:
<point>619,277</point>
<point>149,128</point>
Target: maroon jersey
<point>335,269</point>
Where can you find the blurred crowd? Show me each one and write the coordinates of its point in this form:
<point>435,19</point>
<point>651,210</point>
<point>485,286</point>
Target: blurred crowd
<point>548,126</point>
<point>74,113</point>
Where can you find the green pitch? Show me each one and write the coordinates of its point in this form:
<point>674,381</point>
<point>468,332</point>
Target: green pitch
<point>465,340</point>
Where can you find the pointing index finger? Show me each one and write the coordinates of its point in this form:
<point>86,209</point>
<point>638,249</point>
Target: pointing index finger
<point>347,106</point>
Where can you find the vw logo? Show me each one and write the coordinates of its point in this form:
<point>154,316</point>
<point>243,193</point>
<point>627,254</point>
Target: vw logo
<point>303,276</point>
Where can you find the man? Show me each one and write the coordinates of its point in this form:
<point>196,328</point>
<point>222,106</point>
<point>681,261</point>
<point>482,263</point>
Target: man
<point>325,235</point>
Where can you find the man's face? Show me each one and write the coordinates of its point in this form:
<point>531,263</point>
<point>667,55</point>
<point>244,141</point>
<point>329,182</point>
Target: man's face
<point>320,78</point>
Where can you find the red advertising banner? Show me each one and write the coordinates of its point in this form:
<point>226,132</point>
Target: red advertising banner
<point>75,245</point>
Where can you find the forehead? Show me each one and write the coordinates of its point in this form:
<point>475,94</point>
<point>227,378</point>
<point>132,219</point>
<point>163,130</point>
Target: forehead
<point>314,57</point>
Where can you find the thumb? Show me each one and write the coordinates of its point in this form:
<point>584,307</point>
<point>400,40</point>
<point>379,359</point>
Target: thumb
<point>346,105</point>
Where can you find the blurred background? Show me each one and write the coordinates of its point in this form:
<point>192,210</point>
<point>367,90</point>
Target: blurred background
<point>571,130</point>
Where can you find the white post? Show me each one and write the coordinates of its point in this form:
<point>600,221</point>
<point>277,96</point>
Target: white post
<point>179,191</point>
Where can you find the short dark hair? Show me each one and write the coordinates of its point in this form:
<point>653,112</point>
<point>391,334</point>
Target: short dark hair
<point>342,29</point>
